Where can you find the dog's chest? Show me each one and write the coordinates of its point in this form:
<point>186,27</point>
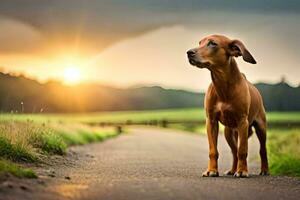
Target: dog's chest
<point>226,114</point>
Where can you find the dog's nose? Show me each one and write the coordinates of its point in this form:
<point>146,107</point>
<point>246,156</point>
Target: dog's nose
<point>191,52</point>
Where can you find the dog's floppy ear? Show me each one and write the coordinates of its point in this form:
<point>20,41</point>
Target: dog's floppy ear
<point>237,48</point>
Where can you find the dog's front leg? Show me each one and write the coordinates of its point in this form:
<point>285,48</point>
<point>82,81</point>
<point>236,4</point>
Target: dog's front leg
<point>242,169</point>
<point>212,127</point>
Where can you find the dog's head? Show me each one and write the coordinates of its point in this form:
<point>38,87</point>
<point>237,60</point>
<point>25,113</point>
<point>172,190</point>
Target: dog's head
<point>216,51</point>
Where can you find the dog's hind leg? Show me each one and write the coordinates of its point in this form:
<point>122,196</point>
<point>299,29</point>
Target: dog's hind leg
<point>231,138</point>
<point>260,129</point>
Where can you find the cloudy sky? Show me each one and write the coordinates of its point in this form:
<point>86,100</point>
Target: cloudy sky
<point>138,42</point>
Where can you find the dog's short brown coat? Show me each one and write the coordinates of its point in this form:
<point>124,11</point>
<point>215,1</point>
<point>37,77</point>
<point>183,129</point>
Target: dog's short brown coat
<point>231,100</point>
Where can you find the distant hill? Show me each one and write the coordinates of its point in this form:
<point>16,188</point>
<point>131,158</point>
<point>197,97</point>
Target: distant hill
<point>280,96</point>
<point>20,94</point>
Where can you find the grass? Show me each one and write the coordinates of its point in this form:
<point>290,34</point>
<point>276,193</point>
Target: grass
<point>192,128</point>
<point>15,152</point>
<point>81,134</point>
<point>284,152</point>
<point>24,141</point>
<point>27,141</point>
<point>14,142</point>
<point>137,116</point>
<point>24,137</point>
<point>49,142</point>
<point>7,167</point>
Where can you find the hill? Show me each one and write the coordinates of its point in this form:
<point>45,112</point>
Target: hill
<point>20,94</point>
<point>280,96</point>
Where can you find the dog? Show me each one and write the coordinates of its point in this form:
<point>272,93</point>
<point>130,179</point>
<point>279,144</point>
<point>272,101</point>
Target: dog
<point>232,100</point>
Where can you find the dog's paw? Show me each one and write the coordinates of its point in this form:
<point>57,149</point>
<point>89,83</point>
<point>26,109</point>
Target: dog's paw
<point>241,174</point>
<point>229,173</point>
<point>264,173</point>
<point>210,174</point>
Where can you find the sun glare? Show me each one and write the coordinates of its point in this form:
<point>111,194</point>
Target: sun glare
<point>72,75</point>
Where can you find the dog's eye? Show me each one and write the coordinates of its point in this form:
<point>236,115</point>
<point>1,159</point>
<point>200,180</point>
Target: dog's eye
<point>212,44</point>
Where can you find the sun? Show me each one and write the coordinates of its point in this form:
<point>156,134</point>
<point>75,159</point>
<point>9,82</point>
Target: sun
<point>72,75</point>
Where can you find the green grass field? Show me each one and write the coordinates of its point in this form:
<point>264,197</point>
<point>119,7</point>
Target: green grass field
<point>25,137</point>
<point>122,116</point>
<point>284,151</point>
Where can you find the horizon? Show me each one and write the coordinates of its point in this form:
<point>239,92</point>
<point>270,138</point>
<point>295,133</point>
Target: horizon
<point>103,84</point>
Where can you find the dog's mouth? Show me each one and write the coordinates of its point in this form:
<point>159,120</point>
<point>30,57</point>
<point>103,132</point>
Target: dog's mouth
<point>198,64</point>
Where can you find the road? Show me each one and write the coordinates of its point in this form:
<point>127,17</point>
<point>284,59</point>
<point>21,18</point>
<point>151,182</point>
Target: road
<point>154,164</point>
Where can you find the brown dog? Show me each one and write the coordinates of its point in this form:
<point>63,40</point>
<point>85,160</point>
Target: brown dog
<point>231,100</point>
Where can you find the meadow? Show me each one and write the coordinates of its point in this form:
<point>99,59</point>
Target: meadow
<point>31,137</point>
<point>137,116</point>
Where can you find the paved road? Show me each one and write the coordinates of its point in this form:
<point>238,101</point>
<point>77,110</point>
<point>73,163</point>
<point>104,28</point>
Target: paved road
<point>158,164</point>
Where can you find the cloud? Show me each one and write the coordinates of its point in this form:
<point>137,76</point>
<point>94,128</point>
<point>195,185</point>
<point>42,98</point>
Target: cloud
<point>101,23</point>
<point>19,36</point>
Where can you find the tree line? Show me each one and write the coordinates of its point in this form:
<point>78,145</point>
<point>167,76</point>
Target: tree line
<point>20,94</point>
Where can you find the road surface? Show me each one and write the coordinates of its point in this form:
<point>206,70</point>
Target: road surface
<point>154,164</point>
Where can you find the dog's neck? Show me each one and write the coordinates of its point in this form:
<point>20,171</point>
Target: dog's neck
<point>225,79</point>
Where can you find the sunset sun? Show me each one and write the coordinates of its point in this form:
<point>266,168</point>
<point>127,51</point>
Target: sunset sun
<point>72,75</point>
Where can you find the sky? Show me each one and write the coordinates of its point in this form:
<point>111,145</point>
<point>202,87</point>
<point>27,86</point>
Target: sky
<point>128,43</point>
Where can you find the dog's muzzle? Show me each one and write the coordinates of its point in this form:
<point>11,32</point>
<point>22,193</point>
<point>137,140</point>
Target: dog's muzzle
<point>191,54</point>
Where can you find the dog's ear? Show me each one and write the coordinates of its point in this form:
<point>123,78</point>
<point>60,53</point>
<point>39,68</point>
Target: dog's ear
<point>237,48</point>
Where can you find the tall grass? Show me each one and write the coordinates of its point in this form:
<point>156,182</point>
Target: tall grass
<point>15,141</point>
<point>24,141</point>
<point>48,142</point>
<point>27,141</point>
<point>284,152</point>
<point>15,152</point>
